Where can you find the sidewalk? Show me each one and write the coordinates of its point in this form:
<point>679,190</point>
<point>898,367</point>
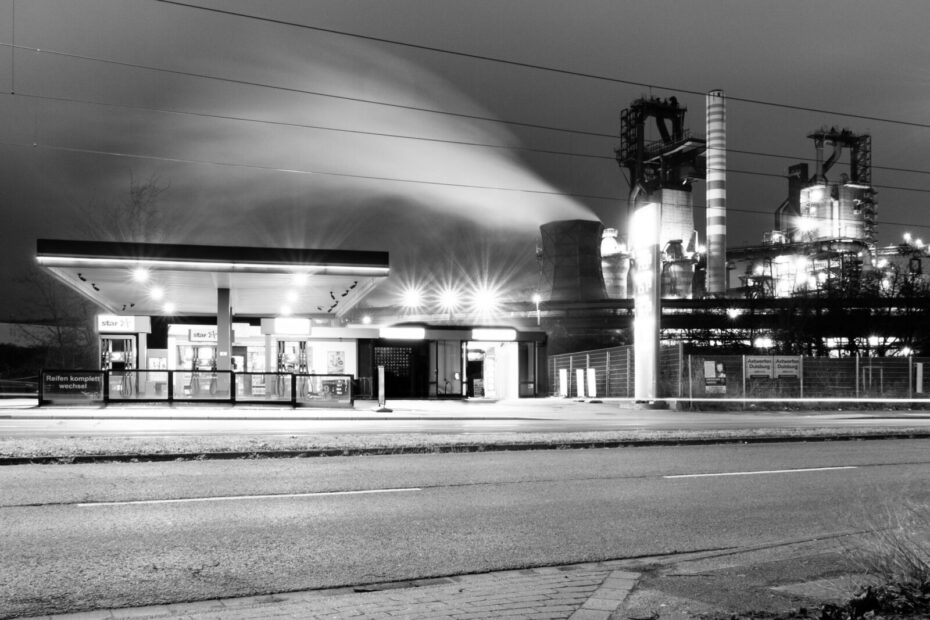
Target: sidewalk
<point>577,592</point>
<point>714,584</point>
<point>124,432</point>
<point>549,408</point>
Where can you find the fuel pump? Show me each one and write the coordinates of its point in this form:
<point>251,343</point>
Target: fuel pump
<point>292,358</point>
<point>117,354</point>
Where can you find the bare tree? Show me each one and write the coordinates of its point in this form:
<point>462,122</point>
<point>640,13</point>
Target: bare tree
<point>61,321</point>
<point>61,326</point>
<point>138,217</point>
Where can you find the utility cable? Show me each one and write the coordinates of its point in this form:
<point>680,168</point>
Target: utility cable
<point>422,138</point>
<point>538,67</point>
<point>365,101</point>
<point>614,199</point>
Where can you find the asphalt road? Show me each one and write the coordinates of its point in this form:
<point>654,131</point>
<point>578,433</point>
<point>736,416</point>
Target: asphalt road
<point>79,537</point>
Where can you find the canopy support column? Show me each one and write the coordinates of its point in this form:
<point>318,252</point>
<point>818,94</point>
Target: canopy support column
<point>224,333</point>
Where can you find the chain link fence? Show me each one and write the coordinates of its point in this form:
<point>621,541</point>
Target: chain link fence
<point>610,373</point>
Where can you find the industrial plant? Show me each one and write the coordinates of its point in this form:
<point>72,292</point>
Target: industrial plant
<point>823,246</point>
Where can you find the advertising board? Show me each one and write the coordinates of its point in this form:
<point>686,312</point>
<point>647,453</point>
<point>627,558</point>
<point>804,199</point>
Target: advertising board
<point>72,385</point>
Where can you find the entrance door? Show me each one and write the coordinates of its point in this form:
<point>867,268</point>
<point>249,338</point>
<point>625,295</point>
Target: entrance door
<point>405,368</point>
<point>445,360</point>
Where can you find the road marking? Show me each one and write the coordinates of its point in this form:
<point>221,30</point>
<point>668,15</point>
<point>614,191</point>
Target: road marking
<point>239,497</point>
<point>756,473</point>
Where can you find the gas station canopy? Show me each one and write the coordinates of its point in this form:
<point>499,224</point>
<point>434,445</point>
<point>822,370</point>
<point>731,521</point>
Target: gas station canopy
<point>171,279</point>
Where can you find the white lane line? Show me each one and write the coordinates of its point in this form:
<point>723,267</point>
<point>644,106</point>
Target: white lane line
<point>756,473</point>
<point>240,497</point>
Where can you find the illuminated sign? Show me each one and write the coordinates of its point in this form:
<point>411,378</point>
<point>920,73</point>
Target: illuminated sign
<point>283,325</point>
<point>403,333</point>
<point>115,323</point>
<point>203,334</point>
<point>494,335</point>
<point>120,324</point>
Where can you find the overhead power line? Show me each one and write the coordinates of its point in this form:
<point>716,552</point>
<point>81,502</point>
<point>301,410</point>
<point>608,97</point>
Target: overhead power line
<point>413,108</point>
<point>538,67</point>
<point>118,154</point>
<point>421,138</point>
<point>515,123</point>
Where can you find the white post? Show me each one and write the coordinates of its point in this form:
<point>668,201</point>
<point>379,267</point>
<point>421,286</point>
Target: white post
<point>744,376</point>
<point>563,382</point>
<point>381,400</point>
<point>381,386</point>
<point>579,382</point>
<point>592,383</point>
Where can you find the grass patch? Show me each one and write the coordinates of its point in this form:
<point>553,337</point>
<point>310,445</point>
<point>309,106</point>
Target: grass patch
<point>897,556</point>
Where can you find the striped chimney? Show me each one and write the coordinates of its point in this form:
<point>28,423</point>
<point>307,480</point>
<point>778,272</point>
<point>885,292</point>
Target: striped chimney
<point>716,193</point>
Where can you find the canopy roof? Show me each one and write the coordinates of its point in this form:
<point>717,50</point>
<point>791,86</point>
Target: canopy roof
<point>165,279</point>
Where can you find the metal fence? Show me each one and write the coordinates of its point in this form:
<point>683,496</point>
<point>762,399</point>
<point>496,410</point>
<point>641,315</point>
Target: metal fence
<point>178,386</point>
<point>610,373</point>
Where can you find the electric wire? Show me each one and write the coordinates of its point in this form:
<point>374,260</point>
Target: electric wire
<point>423,138</point>
<point>489,119</point>
<point>429,110</point>
<point>538,67</point>
<point>382,178</point>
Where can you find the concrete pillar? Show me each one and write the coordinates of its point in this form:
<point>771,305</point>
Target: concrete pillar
<point>224,335</point>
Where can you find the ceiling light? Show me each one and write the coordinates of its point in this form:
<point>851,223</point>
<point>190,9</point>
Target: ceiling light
<point>140,274</point>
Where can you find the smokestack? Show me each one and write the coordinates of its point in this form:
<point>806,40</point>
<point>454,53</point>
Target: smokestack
<point>571,260</point>
<point>716,193</point>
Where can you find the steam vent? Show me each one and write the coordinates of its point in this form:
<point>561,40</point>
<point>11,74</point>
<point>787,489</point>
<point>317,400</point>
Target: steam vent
<point>571,260</point>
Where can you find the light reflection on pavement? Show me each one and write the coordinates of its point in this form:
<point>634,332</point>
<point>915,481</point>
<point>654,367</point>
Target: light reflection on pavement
<point>23,417</point>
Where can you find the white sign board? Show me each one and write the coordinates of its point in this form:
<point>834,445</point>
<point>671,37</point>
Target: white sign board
<point>123,324</point>
<point>759,366</point>
<point>787,366</point>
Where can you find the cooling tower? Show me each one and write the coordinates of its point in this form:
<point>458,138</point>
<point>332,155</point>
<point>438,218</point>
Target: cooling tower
<point>615,265</point>
<point>571,260</point>
<point>716,193</point>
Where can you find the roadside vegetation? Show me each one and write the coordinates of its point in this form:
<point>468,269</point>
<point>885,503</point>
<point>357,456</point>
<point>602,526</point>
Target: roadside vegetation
<point>895,559</point>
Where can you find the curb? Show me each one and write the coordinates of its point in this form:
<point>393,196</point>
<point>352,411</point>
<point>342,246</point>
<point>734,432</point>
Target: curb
<point>445,448</point>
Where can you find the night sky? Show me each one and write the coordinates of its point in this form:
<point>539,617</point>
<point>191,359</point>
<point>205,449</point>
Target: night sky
<point>263,132</point>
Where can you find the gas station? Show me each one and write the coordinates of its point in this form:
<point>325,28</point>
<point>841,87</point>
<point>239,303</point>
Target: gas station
<point>275,328</point>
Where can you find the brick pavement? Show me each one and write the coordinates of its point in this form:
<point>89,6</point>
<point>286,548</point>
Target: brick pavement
<point>575,592</point>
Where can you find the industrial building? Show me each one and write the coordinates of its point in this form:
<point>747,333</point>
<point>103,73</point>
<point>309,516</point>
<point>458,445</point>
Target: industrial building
<point>822,247</point>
